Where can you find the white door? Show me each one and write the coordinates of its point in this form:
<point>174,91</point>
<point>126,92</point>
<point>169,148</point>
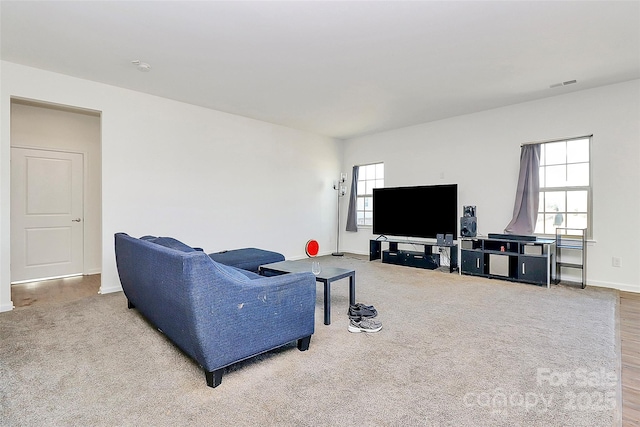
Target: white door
<point>46,214</point>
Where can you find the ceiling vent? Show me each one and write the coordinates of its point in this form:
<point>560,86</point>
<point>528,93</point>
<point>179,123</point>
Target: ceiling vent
<point>568,82</point>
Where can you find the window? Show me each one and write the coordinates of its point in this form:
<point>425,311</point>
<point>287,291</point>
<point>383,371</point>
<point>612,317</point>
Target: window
<point>369,177</point>
<point>565,186</point>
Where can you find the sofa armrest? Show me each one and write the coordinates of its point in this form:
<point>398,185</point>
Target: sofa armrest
<point>238,319</point>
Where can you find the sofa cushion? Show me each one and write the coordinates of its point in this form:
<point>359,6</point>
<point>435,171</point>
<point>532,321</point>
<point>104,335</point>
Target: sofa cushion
<point>247,258</point>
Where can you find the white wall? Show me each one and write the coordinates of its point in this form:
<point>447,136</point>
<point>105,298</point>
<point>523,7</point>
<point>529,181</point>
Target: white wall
<point>480,152</point>
<point>211,179</point>
<point>222,181</point>
<point>49,127</point>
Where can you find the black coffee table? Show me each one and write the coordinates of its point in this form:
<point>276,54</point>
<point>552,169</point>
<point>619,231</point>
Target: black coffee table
<point>326,276</point>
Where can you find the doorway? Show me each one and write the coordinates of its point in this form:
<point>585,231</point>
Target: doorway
<point>55,191</point>
<point>46,214</point>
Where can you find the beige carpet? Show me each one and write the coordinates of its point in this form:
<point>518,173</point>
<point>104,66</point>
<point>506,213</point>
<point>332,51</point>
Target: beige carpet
<point>454,351</point>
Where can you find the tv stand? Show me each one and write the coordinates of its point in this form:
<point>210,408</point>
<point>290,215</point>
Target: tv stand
<point>420,259</point>
<point>510,258</point>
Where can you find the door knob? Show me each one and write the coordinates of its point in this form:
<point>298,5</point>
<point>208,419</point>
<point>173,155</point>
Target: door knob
<point>76,220</point>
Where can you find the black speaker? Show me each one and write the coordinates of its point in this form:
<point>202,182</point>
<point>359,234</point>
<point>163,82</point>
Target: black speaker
<point>468,226</point>
<point>469,211</point>
<point>448,239</point>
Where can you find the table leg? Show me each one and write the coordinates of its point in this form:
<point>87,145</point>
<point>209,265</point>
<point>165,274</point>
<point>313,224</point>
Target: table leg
<point>327,303</point>
<point>352,289</point>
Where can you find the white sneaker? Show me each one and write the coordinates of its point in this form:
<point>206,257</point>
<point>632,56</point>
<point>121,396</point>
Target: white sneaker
<point>364,325</point>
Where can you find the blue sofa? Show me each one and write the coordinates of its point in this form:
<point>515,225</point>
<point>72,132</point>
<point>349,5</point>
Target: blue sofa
<point>217,314</point>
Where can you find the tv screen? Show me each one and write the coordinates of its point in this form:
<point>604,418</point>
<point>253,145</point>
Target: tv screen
<point>422,211</point>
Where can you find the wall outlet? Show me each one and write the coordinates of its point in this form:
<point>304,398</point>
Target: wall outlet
<point>616,262</point>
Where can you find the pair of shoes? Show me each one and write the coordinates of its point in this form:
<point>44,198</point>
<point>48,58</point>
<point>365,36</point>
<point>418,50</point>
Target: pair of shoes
<point>364,325</point>
<point>358,311</point>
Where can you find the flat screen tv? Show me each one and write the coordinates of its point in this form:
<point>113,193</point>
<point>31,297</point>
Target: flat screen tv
<point>423,211</point>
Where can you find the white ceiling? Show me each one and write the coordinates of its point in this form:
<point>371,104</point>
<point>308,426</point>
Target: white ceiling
<point>340,69</point>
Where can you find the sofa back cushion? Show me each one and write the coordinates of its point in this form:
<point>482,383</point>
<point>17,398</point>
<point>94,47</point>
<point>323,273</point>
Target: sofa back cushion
<point>169,242</point>
<point>224,270</point>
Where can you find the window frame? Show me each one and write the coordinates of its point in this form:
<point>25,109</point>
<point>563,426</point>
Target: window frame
<point>364,196</point>
<point>568,188</point>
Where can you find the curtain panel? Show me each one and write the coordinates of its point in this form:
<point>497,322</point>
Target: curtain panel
<point>352,220</point>
<point>525,210</point>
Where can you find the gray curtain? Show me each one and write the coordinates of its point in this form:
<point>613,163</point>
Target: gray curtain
<point>352,221</point>
<point>525,210</point>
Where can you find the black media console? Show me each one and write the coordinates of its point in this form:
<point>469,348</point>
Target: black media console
<point>510,257</point>
<point>425,259</point>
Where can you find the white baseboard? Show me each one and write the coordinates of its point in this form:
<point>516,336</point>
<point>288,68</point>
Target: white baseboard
<point>625,287</point>
<point>92,272</point>
<point>298,258</point>
<point>6,307</point>
<point>357,252</point>
<point>109,290</point>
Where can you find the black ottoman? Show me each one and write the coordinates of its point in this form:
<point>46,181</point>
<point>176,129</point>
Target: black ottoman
<point>247,258</point>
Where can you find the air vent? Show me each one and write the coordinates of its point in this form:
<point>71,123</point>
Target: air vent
<point>568,82</point>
